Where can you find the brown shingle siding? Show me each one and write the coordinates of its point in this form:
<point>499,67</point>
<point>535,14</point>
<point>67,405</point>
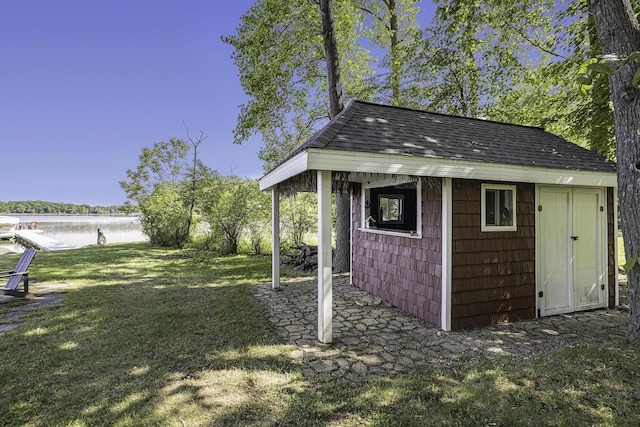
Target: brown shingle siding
<point>492,273</point>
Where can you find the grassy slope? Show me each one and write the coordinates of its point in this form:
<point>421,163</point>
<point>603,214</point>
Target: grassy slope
<point>149,337</point>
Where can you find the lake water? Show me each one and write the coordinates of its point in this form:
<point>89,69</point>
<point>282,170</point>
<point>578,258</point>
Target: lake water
<point>78,230</point>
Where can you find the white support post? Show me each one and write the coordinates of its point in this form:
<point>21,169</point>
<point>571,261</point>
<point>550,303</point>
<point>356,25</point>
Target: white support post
<point>275,238</point>
<point>325,261</point>
<point>615,242</point>
<point>351,236</point>
<point>447,197</point>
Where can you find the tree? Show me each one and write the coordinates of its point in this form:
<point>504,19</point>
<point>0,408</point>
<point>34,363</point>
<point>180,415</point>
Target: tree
<point>545,96</point>
<point>279,53</point>
<point>618,34</point>
<point>227,208</point>
<point>195,173</point>
<point>164,163</point>
<point>394,28</point>
<point>475,52</point>
<point>164,175</point>
<point>299,217</point>
<point>514,61</point>
<point>278,50</point>
<point>342,259</point>
<point>259,218</point>
<point>163,215</point>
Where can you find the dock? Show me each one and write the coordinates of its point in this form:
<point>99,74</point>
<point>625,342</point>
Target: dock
<point>35,239</point>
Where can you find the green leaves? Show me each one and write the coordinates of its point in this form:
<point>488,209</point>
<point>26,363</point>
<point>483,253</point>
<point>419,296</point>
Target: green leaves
<point>164,187</point>
<point>592,68</point>
<point>229,204</point>
<point>279,53</point>
<point>164,162</point>
<point>630,263</point>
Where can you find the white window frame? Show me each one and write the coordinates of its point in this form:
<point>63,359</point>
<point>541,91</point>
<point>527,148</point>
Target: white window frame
<point>387,183</point>
<point>483,208</point>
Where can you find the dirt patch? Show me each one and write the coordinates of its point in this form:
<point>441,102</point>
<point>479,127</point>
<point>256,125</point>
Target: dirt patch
<point>46,297</point>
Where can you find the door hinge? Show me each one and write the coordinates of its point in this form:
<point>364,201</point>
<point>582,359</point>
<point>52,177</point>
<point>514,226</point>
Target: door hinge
<point>602,286</point>
<point>539,208</point>
<point>601,208</point>
<point>540,294</point>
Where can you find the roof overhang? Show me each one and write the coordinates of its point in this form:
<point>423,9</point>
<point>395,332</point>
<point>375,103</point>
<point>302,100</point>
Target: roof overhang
<point>393,164</point>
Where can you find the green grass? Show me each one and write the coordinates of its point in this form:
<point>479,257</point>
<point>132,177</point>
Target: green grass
<point>621,257</point>
<point>150,337</point>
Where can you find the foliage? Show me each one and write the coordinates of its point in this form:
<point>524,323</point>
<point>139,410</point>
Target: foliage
<point>40,207</point>
<point>163,216</point>
<point>515,62</point>
<point>630,263</point>
<point>391,25</point>
<point>298,215</point>
<point>165,162</point>
<point>229,204</point>
<point>164,187</point>
<point>259,218</point>
<point>279,52</point>
<point>148,336</point>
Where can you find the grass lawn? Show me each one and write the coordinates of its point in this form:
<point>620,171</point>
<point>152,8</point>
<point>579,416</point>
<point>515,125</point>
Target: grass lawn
<point>155,337</point>
<point>621,256</point>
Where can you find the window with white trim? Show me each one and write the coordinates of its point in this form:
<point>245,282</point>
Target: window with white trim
<point>498,210</point>
<point>392,207</point>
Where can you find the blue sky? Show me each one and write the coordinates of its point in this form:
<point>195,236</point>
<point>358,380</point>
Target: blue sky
<point>86,84</point>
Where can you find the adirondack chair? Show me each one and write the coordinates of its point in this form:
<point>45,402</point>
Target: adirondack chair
<point>20,272</point>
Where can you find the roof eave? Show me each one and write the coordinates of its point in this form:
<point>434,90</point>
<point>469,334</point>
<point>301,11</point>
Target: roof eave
<point>394,164</point>
<point>290,168</point>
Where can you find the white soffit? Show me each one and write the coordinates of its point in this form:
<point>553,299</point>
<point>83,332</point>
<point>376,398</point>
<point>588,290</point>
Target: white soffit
<point>375,163</point>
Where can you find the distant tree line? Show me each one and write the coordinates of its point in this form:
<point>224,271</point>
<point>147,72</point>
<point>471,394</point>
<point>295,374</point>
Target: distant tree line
<point>39,207</point>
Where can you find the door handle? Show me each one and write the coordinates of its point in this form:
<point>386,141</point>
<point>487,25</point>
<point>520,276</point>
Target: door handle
<point>574,238</point>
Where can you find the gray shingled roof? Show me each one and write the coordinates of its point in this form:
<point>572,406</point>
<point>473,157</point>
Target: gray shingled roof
<point>375,128</point>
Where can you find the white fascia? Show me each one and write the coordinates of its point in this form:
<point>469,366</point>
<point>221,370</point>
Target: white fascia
<point>292,167</point>
<point>393,164</point>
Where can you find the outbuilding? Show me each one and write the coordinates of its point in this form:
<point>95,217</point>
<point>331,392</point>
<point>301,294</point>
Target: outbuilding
<point>462,222</point>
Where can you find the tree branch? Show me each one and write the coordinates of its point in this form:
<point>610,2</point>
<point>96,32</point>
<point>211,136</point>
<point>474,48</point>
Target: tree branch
<point>379,18</point>
<point>522,34</point>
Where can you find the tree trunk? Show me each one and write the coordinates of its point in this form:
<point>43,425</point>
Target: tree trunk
<point>396,68</point>
<point>342,259</point>
<point>601,114</point>
<point>618,33</point>
<point>336,105</point>
<point>336,102</point>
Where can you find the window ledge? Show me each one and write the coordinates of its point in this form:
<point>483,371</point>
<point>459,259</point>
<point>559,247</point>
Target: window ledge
<point>391,232</point>
<point>498,228</point>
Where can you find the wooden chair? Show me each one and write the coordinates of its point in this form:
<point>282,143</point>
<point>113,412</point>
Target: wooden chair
<point>20,272</point>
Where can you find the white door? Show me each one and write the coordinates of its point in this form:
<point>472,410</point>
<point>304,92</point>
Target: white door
<point>571,248</point>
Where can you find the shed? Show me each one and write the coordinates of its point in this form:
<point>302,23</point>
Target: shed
<point>462,222</point>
